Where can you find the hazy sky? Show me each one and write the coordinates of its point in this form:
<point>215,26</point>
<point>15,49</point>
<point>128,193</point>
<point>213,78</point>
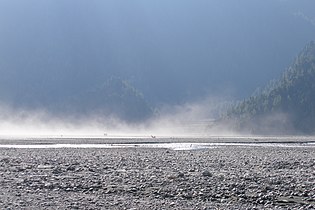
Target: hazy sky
<point>172,50</point>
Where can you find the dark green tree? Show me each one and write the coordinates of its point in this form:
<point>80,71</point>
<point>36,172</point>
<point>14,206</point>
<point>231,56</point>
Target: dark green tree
<point>289,101</point>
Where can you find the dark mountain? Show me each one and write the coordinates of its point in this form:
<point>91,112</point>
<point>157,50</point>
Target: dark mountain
<point>114,98</point>
<point>284,106</point>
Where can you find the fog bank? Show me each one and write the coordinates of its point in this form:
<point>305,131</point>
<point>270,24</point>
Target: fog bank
<point>190,119</point>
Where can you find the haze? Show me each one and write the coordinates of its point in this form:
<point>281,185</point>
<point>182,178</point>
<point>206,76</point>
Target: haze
<point>172,53</point>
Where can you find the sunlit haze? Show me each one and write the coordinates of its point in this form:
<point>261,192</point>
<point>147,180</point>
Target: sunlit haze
<point>142,68</point>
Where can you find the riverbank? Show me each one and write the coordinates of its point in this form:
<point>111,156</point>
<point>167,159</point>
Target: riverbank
<point>139,178</point>
<point>21,140</point>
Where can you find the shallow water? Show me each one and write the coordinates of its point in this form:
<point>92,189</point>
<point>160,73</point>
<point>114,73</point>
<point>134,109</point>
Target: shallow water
<point>172,146</point>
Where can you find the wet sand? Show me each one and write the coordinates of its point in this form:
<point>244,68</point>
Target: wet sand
<point>231,177</point>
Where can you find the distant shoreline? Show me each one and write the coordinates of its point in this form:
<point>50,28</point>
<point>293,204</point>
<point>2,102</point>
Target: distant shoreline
<point>156,140</point>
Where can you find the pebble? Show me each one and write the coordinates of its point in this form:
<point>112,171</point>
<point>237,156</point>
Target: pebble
<point>206,173</point>
<point>158,179</point>
<point>45,166</point>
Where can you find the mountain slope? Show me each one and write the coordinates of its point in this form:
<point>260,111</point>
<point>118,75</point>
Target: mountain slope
<point>284,106</point>
<point>114,98</point>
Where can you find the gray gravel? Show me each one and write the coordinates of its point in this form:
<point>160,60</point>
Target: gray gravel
<point>219,178</point>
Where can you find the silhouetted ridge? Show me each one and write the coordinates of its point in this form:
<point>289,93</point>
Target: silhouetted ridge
<point>114,98</point>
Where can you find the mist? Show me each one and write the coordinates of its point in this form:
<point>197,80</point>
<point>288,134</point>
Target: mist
<point>186,120</point>
<point>179,63</point>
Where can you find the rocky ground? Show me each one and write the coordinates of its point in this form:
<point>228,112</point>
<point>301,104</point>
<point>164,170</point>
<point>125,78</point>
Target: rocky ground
<point>218,178</point>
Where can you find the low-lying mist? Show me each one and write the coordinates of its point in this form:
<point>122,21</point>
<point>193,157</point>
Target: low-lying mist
<point>190,119</point>
<point>270,124</point>
<point>201,118</point>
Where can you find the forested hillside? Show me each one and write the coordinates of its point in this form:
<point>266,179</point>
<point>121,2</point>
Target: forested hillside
<point>284,106</point>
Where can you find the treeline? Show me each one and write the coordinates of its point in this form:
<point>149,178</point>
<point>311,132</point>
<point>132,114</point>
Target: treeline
<point>283,106</point>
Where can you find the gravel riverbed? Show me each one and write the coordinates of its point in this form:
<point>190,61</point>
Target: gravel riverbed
<point>231,177</point>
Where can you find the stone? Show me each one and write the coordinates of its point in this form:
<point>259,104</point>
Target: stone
<point>45,167</point>
<point>180,174</point>
<point>207,174</point>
